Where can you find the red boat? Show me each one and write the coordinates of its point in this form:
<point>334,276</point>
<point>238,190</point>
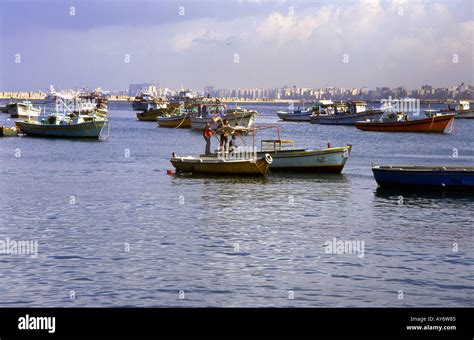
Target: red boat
<point>401,123</point>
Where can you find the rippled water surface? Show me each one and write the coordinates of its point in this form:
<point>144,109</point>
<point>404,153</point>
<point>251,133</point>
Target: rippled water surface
<point>136,236</point>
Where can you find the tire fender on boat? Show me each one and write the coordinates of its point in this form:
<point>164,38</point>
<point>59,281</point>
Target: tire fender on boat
<point>268,158</point>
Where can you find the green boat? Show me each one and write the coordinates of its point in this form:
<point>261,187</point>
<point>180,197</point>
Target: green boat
<point>65,126</point>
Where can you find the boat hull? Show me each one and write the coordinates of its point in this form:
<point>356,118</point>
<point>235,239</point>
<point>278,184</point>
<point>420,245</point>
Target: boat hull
<point>294,117</point>
<point>344,119</point>
<point>182,122</point>
<point>437,124</point>
<point>424,176</point>
<point>81,130</point>
<point>469,114</point>
<point>217,166</point>
<point>236,119</point>
<point>331,160</point>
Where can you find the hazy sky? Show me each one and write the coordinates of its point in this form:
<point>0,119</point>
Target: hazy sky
<point>300,43</point>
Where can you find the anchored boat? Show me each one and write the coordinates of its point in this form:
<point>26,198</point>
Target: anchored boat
<point>437,177</point>
<point>68,126</point>
<point>298,115</point>
<point>23,109</point>
<point>286,157</point>
<point>180,119</point>
<point>461,109</point>
<point>352,112</point>
<point>399,122</point>
<point>225,165</point>
<point>216,113</point>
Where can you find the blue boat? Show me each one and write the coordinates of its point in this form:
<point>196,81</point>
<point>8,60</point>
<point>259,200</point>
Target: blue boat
<point>435,177</point>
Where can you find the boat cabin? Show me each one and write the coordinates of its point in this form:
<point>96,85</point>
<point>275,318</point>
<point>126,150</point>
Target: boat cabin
<point>205,109</point>
<point>463,105</point>
<point>276,145</point>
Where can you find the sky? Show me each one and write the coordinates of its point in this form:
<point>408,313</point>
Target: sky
<point>231,44</point>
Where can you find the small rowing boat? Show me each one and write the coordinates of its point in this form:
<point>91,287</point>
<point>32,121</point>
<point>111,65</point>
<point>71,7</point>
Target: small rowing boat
<point>400,123</point>
<point>440,177</point>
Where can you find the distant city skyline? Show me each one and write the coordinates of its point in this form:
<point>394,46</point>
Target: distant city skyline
<point>235,44</point>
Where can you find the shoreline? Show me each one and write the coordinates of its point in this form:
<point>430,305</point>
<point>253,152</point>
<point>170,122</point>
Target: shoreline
<point>38,96</point>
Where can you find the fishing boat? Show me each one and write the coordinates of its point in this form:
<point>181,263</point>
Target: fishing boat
<point>23,109</point>
<point>437,177</point>
<point>248,166</point>
<point>323,108</point>
<point>399,122</point>
<point>145,101</point>
<point>286,157</point>
<point>54,96</point>
<point>350,113</point>
<point>180,119</point>
<point>215,113</point>
<point>329,160</point>
<point>461,109</point>
<point>296,115</point>
<point>67,126</point>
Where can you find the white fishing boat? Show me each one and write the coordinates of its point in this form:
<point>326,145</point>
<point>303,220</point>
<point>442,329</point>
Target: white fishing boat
<point>286,157</point>
<point>461,109</point>
<point>23,109</point>
<point>68,124</point>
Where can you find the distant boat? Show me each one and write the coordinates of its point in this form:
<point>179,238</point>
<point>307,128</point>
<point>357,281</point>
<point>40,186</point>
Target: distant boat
<point>23,109</point>
<point>153,114</point>
<point>461,109</point>
<point>300,115</point>
<point>145,101</point>
<point>349,113</point>
<point>215,113</point>
<point>69,126</point>
<point>211,165</point>
<point>400,123</point>
<point>324,108</point>
<point>437,177</point>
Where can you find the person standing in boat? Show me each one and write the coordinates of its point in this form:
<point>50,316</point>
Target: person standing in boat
<point>224,134</point>
<point>207,134</point>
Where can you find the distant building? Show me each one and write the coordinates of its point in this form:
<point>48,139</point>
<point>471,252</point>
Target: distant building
<point>133,89</point>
